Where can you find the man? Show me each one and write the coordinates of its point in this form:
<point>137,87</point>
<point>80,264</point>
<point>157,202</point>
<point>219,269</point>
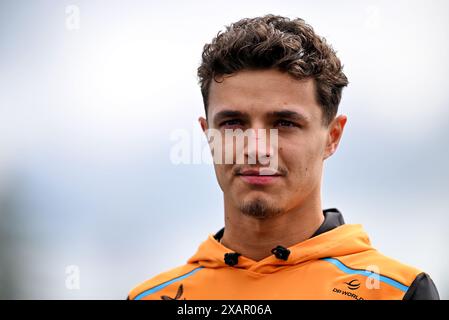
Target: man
<point>275,73</point>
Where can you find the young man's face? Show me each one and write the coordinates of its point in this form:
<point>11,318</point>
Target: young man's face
<point>270,99</point>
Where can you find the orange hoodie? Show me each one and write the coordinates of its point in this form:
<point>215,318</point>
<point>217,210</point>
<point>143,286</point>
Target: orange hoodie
<point>338,262</point>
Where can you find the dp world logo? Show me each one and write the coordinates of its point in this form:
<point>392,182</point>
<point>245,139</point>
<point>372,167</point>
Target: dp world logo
<point>353,284</point>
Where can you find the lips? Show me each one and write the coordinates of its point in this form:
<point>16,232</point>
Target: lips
<point>249,173</point>
<point>259,176</point>
<point>265,171</point>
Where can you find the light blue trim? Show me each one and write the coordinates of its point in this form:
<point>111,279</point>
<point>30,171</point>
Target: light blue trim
<point>167,283</point>
<point>366,273</point>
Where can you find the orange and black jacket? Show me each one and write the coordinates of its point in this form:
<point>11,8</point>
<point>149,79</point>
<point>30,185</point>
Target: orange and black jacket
<point>337,262</point>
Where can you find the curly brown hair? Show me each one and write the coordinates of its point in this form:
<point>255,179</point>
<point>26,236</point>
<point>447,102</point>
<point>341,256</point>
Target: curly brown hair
<point>274,41</point>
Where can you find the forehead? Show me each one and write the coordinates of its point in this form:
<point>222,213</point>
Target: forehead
<point>259,92</point>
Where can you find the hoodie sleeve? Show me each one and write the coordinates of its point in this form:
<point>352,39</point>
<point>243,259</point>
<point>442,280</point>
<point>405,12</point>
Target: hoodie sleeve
<point>422,288</point>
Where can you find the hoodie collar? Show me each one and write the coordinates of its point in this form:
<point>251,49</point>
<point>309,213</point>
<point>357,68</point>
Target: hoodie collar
<point>332,238</point>
<point>332,219</point>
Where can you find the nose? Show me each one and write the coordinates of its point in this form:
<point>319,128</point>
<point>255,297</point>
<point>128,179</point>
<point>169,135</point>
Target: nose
<point>258,148</point>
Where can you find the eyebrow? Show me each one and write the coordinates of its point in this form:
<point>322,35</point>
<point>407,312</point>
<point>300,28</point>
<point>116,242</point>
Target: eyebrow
<point>289,114</point>
<point>229,114</point>
<point>284,114</point>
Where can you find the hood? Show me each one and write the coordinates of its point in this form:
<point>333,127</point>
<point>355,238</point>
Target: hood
<point>332,239</point>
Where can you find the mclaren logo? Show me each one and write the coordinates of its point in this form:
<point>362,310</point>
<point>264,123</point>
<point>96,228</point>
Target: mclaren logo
<point>178,295</point>
<point>353,284</point>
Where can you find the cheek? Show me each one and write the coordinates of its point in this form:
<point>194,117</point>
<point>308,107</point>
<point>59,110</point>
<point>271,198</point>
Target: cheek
<point>223,174</point>
<point>301,160</point>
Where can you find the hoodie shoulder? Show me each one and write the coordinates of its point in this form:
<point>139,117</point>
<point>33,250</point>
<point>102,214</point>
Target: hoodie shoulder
<point>388,269</point>
<point>422,288</point>
<point>162,280</point>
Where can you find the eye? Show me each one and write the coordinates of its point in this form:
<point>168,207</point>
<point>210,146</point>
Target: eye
<point>286,123</point>
<point>231,123</point>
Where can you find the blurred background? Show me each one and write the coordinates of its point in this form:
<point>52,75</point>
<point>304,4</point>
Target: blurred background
<point>91,92</point>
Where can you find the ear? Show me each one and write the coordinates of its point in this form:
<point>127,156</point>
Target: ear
<point>204,126</point>
<point>334,134</point>
<point>203,123</point>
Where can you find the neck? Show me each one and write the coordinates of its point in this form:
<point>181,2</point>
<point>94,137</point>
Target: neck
<point>254,238</point>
